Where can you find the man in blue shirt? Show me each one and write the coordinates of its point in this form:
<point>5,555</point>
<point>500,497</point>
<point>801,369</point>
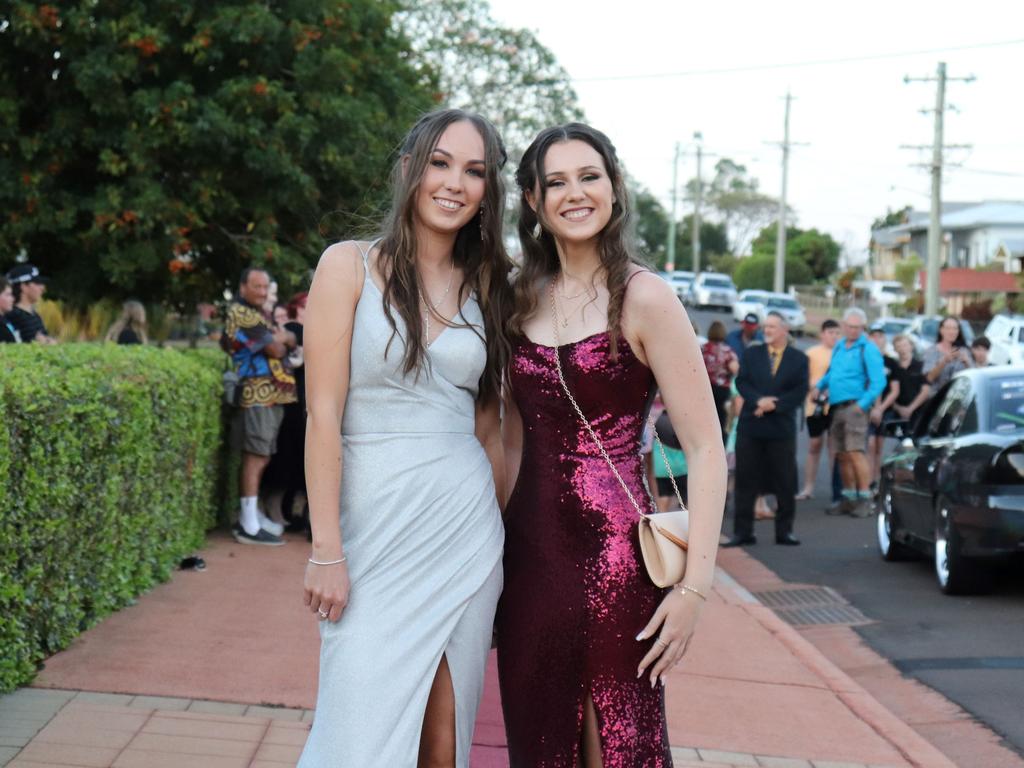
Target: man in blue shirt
<point>748,333</point>
<point>854,380</point>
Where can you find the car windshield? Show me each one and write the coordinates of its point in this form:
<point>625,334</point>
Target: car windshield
<point>753,296</point>
<point>1006,396</point>
<point>783,303</point>
<point>894,326</point>
<point>718,282</point>
<point>929,329</point>
<point>892,289</point>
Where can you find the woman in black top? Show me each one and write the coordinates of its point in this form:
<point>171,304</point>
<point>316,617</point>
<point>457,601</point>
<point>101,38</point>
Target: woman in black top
<point>130,328</point>
<point>914,387</point>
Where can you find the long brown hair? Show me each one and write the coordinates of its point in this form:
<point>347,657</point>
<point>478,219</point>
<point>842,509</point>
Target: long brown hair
<point>479,250</point>
<point>615,244</point>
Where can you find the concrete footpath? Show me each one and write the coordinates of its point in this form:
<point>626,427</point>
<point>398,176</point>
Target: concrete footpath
<point>218,669</point>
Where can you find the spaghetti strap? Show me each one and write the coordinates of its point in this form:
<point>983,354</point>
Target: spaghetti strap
<point>364,251</point>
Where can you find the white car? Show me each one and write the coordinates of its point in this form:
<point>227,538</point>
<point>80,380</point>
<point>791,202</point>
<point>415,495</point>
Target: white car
<point>749,301</point>
<point>711,289</point>
<point>681,281</point>
<point>786,306</point>
<point>1006,334</point>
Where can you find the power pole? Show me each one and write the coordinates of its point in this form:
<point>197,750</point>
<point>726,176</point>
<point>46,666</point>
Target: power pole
<point>670,246</point>
<point>695,223</point>
<point>931,294</point>
<point>779,284</point>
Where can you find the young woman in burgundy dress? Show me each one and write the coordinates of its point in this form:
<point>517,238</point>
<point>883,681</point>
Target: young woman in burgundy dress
<point>585,640</point>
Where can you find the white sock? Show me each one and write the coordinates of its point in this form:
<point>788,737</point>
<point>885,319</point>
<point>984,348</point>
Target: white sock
<point>249,519</point>
<point>271,526</point>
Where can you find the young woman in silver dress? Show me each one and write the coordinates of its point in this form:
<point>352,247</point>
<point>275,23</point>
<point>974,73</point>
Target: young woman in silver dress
<point>404,350</point>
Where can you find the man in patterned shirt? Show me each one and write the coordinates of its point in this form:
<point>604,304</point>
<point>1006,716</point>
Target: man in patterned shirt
<point>257,351</point>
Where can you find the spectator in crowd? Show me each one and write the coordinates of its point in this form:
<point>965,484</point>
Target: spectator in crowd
<point>280,315</point>
<point>881,411</point>
<point>854,380</point>
<point>271,301</point>
<point>914,390</point>
<point>980,349</point>
<point>722,364</point>
<point>816,409</point>
<point>130,327</point>
<point>949,355</point>
<point>29,286</point>
<point>747,334</point>
<point>8,333</point>
<point>773,383</point>
<point>762,510</point>
<point>257,352</point>
<point>285,477</point>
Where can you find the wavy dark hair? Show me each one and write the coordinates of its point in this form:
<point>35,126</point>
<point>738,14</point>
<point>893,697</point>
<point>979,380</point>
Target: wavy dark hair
<point>959,341</point>
<point>540,256</point>
<point>479,250</point>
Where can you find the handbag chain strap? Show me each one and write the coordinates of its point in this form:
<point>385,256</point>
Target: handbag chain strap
<point>593,434</point>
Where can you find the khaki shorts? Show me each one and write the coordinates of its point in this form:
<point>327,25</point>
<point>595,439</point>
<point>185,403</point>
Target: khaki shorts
<point>849,428</point>
<point>255,429</point>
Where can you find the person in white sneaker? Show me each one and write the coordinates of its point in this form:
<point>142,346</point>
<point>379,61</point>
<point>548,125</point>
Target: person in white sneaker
<point>257,352</point>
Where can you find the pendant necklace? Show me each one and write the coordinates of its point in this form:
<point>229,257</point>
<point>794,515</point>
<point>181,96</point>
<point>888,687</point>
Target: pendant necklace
<point>431,308</point>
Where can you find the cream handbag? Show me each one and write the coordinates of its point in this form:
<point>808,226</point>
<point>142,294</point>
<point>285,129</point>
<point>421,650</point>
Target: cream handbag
<point>664,536</point>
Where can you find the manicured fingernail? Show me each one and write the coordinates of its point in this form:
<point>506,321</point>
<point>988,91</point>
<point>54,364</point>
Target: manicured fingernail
<point>641,636</point>
<point>662,678</point>
<point>654,680</point>
<point>638,673</point>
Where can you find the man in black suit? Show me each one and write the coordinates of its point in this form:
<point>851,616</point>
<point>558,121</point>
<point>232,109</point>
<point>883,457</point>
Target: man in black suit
<point>773,383</point>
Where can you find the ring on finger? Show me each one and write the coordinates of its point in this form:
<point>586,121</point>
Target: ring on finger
<point>322,612</point>
<point>660,642</point>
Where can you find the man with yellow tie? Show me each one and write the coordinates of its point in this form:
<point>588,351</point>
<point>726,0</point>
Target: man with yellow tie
<point>773,382</point>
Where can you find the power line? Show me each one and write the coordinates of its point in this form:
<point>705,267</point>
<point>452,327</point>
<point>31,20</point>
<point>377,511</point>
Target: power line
<point>796,64</point>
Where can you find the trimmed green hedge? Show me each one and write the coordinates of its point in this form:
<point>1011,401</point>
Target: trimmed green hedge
<point>110,472</point>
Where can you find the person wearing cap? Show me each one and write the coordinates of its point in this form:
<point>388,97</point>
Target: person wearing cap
<point>747,334</point>
<point>854,380</point>
<point>29,286</point>
<point>8,333</point>
<point>882,411</point>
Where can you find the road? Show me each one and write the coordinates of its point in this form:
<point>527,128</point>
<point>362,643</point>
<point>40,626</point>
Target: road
<point>970,649</point>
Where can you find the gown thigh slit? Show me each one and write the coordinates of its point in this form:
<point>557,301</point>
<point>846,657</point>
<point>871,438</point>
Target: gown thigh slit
<point>423,536</point>
<point>576,592</point>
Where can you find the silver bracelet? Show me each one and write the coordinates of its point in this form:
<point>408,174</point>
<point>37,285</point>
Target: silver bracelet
<point>328,562</point>
<point>688,588</point>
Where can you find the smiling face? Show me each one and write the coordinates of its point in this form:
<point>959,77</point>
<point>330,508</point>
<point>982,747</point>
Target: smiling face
<point>578,193</point>
<point>254,290</point>
<point>452,186</point>
<point>949,330</point>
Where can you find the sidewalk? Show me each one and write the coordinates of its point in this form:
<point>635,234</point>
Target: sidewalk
<point>218,669</point>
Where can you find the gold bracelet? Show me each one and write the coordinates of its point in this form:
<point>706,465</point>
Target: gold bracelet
<point>688,588</point>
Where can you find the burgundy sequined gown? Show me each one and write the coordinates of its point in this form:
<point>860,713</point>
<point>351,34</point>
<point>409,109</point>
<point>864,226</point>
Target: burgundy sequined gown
<point>576,592</point>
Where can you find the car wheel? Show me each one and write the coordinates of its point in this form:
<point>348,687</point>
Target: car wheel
<point>887,527</point>
<point>956,574</point>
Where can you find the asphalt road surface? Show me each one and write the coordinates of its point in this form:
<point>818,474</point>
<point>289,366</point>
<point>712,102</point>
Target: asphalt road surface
<point>970,649</point>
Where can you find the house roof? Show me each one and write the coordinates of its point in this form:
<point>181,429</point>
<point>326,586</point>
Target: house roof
<point>973,281</point>
<point>1015,245</point>
<point>958,216</point>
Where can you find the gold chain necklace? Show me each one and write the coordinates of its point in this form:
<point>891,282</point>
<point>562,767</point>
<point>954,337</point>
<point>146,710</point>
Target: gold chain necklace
<point>566,315</point>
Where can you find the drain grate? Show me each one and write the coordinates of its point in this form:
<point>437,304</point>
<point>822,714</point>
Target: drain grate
<point>811,605</point>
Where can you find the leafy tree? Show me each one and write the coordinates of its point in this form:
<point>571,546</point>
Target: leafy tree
<point>892,218</point>
<point>764,243</point>
<point>154,148</point>
<point>713,241</point>
<point>815,249</point>
<point>759,272</point>
<point>907,271</point>
<point>504,74</point>
<point>651,226</point>
<point>742,207</point>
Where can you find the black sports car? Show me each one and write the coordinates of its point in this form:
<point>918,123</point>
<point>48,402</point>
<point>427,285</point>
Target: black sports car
<point>954,487</point>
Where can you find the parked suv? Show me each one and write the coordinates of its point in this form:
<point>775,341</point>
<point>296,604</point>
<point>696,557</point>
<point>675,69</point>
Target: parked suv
<point>681,281</point>
<point>1006,333</point>
<point>711,289</point>
<point>788,307</point>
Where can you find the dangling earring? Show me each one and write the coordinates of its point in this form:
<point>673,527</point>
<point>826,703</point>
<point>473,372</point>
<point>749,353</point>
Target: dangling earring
<point>482,222</point>
<point>537,231</point>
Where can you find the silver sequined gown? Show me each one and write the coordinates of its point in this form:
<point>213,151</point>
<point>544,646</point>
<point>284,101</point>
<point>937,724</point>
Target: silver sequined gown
<point>423,535</point>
